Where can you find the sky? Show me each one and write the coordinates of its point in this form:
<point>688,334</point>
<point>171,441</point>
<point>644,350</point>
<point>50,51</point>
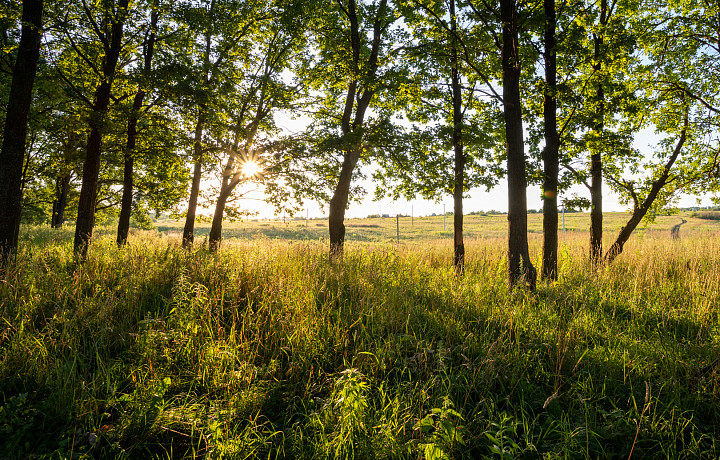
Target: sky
<point>477,199</point>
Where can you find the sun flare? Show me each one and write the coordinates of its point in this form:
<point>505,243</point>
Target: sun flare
<point>250,168</point>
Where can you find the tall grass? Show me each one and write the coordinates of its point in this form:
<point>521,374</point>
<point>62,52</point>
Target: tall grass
<point>268,350</point>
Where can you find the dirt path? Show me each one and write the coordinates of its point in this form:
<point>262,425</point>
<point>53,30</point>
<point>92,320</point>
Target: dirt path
<point>675,232</point>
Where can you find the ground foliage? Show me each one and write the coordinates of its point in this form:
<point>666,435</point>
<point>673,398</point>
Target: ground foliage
<point>268,350</point>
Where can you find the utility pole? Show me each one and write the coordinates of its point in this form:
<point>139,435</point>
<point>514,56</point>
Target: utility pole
<point>443,217</point>
<point>397,227</point>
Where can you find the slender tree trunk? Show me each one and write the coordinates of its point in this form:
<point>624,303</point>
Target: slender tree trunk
<point>226,189</point>
<point>215,237</point>
<point>188,230</point>
<point>350,125</point>
<point>520,268</point>
<point>12,155</point>
<point>550,152</point>
<point>128,170</point>
<point>596,198</point>
<point>642,208</point>
<point>459,172</point>
<point>60,202</point>
<point>91,172</point>
<point>91,168</point>
<point>339,202</point>
<point>127,196</point>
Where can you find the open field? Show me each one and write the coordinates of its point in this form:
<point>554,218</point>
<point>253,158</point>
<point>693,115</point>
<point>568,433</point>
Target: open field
<point>268,350</point>
<point>422,229</point>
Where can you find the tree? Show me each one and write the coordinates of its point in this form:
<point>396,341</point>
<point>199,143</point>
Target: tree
<point>553,110</point>
<point>679,53</point>
<point>598,126</point>
<point>353,68</point>
<point>457,141</point>
<point>520,267</point>
<point>605,119</point>
<point>12,155</point>
<point>260,91</point>
<point>109,31</point>
<point>217,31</point>
<point>642,206</point>
<point>550,155</point>
<point>51,173</point>
<point>450,153</point>
<point>129,153</point>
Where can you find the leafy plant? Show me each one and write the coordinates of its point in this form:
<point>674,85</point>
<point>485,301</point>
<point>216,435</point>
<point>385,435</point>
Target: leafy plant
<point>442,431</point>
<point>350,406</point>
<point>502,436</point>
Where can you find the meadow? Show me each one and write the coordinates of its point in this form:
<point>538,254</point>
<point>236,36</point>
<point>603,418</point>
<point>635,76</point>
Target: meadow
<point>267,349</point>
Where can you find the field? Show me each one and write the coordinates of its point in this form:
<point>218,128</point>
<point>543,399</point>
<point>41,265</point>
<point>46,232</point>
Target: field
<point>268,350</point>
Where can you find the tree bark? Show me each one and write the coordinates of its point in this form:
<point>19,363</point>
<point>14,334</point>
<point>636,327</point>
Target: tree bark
<point>596,198</point>
<point>128,170</point>
<point>640,209</point>
<point>12,155</point>
<point>459,166</point>
<point>352,129</point>
<point>339,202</point>
<point>60,202</point>
<point>520,268</point>
<point>215,237</point>
<point>188,230</point>
<point>226,188</point>
<point>91,167</point>
<point>127,195</point>
<point>550,152</point>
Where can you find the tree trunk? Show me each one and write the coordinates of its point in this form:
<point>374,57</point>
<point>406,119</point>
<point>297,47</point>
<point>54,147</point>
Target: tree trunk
<point>216,228</point>
<point>520,268</point>
<point>361,102</point>
<point>60,202</point>
<point>12,155</point>
<point>596,210</point>
<point>339,202</point>
<point>226,189</point>
<point>127,196</point>
<point>188,231</point>
<point>550,152</point>
<point>642,209</point>
<point>596,198</point>
<point>91,167</point>
<point>459,172</point>
<point>215,237</point>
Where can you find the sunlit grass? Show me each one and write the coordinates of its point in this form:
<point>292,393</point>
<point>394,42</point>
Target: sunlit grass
<point>267,349</point>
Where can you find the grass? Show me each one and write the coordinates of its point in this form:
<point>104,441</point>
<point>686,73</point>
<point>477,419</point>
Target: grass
<point>268,350</point>
<point>423,229</point>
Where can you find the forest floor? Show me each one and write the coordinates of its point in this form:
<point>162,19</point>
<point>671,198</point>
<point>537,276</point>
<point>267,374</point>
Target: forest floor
<point>267,349</point>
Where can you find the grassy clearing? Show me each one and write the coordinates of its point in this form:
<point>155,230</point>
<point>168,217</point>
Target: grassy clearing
<point>266,350</point>
<point>423,229</point>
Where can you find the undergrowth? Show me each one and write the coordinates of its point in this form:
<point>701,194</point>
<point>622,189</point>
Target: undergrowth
<point>271,351</point>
